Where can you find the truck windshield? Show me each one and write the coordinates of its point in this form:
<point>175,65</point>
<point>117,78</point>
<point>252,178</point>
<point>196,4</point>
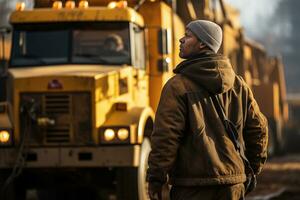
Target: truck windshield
<point>71,43</point>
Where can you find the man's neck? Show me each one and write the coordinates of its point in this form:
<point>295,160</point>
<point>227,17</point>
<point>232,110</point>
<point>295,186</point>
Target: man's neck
<point>202,53</point>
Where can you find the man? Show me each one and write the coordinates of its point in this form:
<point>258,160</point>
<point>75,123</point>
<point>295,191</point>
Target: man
<point>114,45</point>
<point>189,142</point>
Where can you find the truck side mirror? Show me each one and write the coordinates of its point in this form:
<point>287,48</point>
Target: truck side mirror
<point>164,48</point>
<point>164,41</point>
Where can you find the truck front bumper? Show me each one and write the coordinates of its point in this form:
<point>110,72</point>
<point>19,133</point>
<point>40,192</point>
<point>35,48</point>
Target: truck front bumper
<point>104,156</point>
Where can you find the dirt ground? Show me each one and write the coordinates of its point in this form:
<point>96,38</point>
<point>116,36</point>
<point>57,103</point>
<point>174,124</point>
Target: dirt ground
<point>280,179</point>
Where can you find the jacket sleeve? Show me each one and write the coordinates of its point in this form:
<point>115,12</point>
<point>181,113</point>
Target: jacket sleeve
<point>167,132</point>
<point>255,134</point>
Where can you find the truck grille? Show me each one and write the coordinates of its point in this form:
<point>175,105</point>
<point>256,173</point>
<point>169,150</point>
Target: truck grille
<point>70,111</point>
<point>58,134</point>
<point>57,104</point>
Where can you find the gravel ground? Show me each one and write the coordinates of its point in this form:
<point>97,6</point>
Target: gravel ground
<point>279,180</point>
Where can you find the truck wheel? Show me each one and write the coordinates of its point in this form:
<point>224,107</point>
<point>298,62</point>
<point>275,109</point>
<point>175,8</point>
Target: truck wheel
<point>132,183</point>
<point>143,185</point>
<point>142,169</point>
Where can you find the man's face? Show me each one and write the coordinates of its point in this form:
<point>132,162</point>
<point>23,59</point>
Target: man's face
<point>189,45</point>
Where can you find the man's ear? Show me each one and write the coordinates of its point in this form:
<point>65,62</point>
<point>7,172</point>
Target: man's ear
<point>201,45</point>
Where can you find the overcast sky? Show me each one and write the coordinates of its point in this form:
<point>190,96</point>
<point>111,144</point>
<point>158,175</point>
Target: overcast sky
<point>255,12</point>
<point>257,17</point>
<point>275,23</point>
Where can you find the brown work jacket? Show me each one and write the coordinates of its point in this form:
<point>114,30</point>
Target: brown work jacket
<point>189,142</point>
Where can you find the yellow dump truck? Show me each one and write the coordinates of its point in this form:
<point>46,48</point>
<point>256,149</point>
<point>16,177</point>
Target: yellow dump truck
<point>74,104</point>
<point>81,110</point>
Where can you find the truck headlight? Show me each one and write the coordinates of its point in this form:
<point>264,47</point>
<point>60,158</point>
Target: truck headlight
<point>123,134</point>
<point>114,135</point>
<point>5,137</point>
<point>109,134</point>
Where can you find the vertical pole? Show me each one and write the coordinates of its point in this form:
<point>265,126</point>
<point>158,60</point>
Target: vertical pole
<point>174,11</point>
<point>3,46</point>
<point>3,64</point>
<point>3,71</point>
<point>3,32</point>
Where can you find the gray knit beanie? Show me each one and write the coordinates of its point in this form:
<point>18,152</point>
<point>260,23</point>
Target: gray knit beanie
<point>207,32</point>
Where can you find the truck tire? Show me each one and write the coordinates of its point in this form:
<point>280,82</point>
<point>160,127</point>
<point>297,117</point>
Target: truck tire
<point>142,169</point>
<point>132,183</point>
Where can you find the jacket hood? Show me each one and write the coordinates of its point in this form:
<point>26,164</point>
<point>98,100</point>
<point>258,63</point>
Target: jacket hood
<point>211,71</point>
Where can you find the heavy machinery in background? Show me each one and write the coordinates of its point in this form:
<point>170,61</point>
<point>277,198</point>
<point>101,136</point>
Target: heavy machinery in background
<point>266,77</point>
<point>292,129</point>
<point>76,112</point>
